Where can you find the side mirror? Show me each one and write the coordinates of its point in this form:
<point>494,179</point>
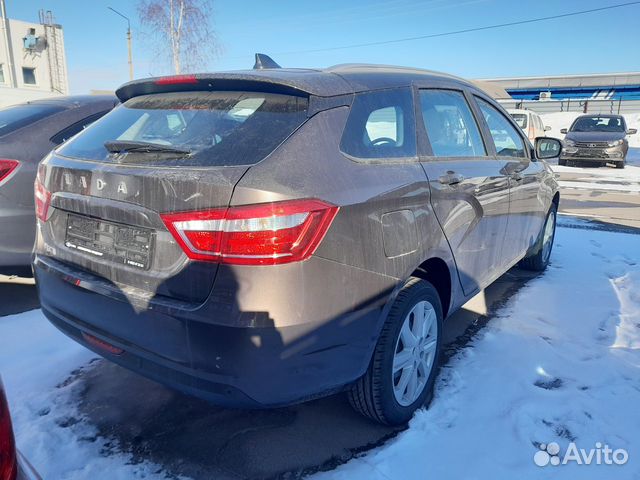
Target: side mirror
<point>563,131</point>
<point>547,128</point>
<point>547,147</point>
<point>632,131</point>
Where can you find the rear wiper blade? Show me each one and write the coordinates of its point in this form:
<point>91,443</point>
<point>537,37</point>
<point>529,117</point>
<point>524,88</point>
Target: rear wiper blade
<point>130,146</point>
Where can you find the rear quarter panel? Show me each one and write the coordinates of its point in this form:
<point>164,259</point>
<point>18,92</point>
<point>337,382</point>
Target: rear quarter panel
<point>385,225</point>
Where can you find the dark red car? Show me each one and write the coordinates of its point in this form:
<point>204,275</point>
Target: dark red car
<point>13,466</point>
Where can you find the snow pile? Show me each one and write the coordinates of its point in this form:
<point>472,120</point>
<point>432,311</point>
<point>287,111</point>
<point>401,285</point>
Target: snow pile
<point>35,361</point>
<point>561,363</point>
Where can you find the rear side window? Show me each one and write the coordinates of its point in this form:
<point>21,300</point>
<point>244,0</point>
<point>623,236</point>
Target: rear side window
<point>507,141</point>
<point>13,118</point>
<point>216,128</point>
<point>381,124</point>
<point>77,127</point>
<point>451,128</point>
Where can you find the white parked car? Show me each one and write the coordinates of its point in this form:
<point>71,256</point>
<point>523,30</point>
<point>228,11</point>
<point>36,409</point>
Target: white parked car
<point>530,122</point>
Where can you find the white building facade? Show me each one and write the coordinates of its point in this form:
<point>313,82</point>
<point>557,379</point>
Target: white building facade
<point>32,60</point>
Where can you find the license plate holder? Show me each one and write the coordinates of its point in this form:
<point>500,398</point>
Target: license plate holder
<point>591,152</point>
<point>111,241</point>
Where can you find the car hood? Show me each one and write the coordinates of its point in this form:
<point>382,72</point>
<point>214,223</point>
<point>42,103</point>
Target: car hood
<point>594,136</point>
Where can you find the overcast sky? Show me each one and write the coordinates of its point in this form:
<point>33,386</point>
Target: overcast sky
<point>607,41</point>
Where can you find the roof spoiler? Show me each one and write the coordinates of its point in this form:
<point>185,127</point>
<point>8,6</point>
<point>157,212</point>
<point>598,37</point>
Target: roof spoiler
<point>230,81</point>
<point>264,61</point>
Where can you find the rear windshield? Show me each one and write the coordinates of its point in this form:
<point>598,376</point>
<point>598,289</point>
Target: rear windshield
<point>13,118</point>
<point>521,119</point>
<point>217,128</point>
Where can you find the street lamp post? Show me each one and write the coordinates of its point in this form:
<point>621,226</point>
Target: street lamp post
<point>128,40</point>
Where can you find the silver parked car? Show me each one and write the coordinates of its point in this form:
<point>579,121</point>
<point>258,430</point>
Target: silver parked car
<point>28,132</point>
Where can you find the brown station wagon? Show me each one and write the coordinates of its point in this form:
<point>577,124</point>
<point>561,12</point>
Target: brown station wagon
<point>265,237</point>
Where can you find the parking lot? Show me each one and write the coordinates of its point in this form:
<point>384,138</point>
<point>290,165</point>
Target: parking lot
<point>153,429</point>
<point>603,194</point>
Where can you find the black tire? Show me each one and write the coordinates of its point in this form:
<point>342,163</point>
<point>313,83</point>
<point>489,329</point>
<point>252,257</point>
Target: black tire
<point>538,259</point>
<point>373,394</point>
<point>620,164</point>
<point>562,162</point>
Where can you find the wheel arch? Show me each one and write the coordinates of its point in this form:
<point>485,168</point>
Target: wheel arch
<point>436,271</point>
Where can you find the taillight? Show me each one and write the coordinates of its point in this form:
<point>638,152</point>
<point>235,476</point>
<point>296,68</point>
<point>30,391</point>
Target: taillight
<point>7,167</point>
<point>8,460</point>
<point>42,196</point>
<point>263,234</point>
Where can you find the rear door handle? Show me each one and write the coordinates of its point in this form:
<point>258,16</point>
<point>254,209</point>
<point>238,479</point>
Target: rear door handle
<point>451,178</point>
<point>517,176</point>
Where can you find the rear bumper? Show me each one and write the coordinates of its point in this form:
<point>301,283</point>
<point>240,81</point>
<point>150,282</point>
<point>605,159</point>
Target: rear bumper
<point>214,388</point>
<point>248,359</point>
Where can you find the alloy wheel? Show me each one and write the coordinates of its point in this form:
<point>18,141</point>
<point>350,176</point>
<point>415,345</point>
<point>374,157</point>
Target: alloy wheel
<point>415,353</point>
<point>547,239</point>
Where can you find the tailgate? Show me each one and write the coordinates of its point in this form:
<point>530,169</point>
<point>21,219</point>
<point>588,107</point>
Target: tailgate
<point>105,219</point>
<point>155,154</point>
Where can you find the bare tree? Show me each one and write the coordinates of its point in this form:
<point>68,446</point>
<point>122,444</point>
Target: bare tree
<point>180,30</point>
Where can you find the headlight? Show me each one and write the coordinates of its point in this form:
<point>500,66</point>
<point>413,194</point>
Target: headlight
<point>615,143</point>
<point>569,143</point>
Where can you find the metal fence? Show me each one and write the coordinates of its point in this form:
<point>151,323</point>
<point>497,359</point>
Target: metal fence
<point>619,106</point>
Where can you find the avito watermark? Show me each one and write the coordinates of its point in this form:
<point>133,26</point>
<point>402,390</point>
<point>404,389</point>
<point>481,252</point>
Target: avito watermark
<point>549,454</point>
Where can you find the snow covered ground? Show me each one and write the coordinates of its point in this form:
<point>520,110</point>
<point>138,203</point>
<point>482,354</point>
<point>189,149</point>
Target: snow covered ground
<point>603,178</point>
<point>38,365</point>
<point>559,363</point>
<point>627,180</point>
